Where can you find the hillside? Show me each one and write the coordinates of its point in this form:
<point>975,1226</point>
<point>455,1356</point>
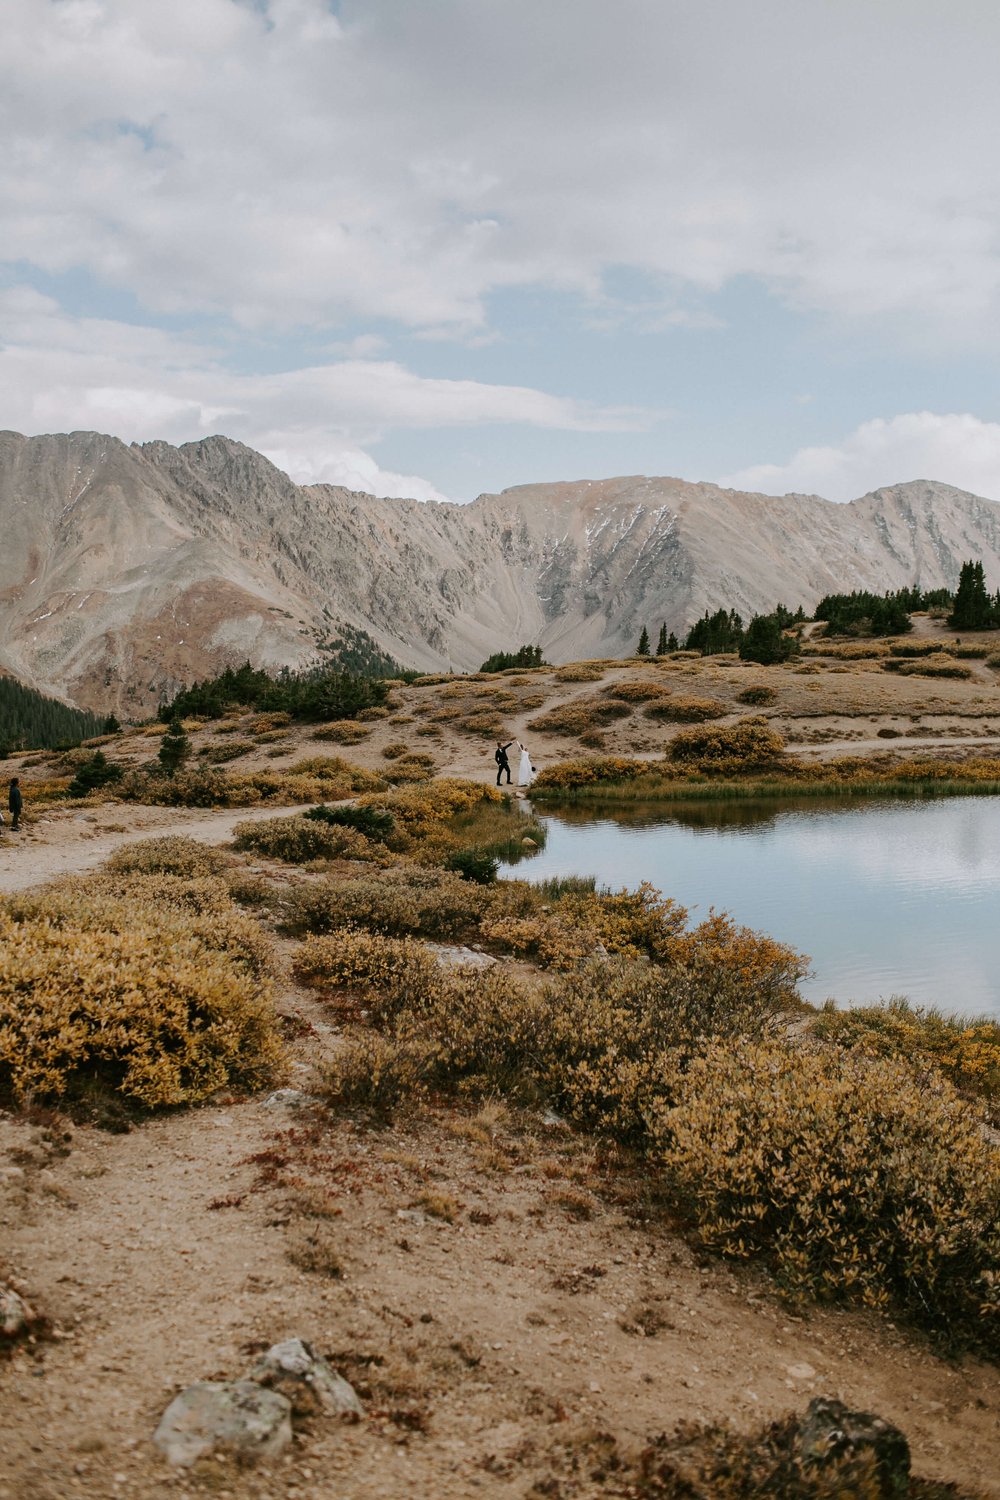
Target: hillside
<point>130,570</point>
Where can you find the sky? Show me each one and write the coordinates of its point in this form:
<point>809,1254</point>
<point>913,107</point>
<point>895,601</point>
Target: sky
<point>440,247</point>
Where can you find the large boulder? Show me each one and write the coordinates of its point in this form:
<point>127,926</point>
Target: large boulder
<point>310,1384</point>
<point>237,1415</point>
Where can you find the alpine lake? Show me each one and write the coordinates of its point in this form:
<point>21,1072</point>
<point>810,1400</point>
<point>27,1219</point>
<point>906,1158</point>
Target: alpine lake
<point>887,898</point>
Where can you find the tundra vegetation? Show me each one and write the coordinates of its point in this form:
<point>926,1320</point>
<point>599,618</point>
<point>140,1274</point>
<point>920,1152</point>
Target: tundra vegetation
<point>851,1161</point>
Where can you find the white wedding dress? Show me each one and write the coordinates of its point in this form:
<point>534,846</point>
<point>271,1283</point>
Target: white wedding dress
<point>525,772</point>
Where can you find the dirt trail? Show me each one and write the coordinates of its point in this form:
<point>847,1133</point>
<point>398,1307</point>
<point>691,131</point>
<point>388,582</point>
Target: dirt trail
<point>61,842</point>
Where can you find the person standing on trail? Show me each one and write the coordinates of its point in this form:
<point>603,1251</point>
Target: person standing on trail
<point>15,802</point>
<point>503,764</point>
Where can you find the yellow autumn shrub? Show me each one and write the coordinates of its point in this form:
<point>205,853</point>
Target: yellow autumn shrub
<point>131,993</point>
<point>389,974</point>
<point>967,1052</point>
<point>728,750</point>
<point>298,839</point>
<point>400,901</point>
<point>342,732</point>
<point>852,1175</point>
<point>681,709</point>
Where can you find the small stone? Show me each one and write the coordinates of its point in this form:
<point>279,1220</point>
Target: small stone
<point>236,1415</point>
<point>305,1378</point>
<point>15,1314</point>
<point>801,1372</point>
<point>289,1099</point>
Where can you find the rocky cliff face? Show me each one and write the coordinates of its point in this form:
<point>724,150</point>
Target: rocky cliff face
<point>128,571</point>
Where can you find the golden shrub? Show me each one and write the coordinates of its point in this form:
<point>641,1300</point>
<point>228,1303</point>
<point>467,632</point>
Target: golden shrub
<point>394,749</point>
<point>168,855</point>
<point>434,903</point>
<point>940,664</point>
<point>369,715</point>
<point>758,694</point>
<point>146,1002</point>
<point>263,723</point>
<point>485,726</point>
<point>967,1052</point>
<point>342,732</point>
<point>748,745</point>
<point>391,974</point>
<point>310,780</point>
<point>632,691</point>
<point>679,709</point>
<point>578,672</point>
<point>854,1176</point>
<point>579,715</point>
<point>298,839</point>
<point>592,771</point>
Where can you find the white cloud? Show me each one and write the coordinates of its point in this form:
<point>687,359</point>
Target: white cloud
<point>955,448</point>
<point>276,163</point>
<point>59,373</point>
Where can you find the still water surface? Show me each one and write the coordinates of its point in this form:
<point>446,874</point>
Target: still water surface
<point>885,897</point>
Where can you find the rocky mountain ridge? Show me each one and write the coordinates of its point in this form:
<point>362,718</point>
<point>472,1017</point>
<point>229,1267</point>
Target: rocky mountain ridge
<point>127,571</point>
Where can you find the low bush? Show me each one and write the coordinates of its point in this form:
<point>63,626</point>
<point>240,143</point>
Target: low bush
<point>748,745</point>
<point>579,715</point>
<point>371,715</point>
<point>141,993</point>
<point>474,864</point>
<point>966,1052</point>
<point>684,710</point>
<point>486,726</point>
<point>579,672</point>
<point>851,1175</point>
<point>390,974</point>
<point>342,732</point>
<point>588,772</point>
<point>632,690</point>
<point>230,749</point>
<point>299,839</point>
<point>374,822</point>
<point>758,695</point>
<point>938,665</point>
<point>310,780</point>
<point>168,855</point>
<point>434,903</point>
<point>395,749</point>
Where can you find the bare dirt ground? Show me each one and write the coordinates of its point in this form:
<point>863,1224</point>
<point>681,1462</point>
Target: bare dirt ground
<point>496,1293</point>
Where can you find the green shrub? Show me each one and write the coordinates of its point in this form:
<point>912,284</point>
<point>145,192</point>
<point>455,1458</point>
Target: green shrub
<point>93,773</point>
<point>374,822</point>
<point>298,839</point>
<point>854,1177</point>
<point>473,864</point>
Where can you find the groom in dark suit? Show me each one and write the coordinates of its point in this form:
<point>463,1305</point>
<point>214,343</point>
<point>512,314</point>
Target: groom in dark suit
<point>503,764</point>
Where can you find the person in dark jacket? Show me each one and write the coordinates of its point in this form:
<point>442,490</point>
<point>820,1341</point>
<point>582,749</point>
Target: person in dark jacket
<point>503,764</point>
<point>15,802</point>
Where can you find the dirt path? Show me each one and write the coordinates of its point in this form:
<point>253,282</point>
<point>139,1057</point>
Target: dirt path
<point>64,842</point>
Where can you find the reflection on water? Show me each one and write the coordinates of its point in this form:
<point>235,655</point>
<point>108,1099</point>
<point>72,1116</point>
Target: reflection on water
<point>886,897</point>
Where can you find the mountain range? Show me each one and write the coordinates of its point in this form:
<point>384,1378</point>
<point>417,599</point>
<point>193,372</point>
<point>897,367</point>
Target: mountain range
<point>127,571</point>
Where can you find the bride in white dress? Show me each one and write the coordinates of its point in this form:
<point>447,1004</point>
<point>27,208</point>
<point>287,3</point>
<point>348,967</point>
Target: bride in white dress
<point>525,771</point>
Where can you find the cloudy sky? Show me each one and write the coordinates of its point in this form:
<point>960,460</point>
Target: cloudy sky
<point>435,247</point>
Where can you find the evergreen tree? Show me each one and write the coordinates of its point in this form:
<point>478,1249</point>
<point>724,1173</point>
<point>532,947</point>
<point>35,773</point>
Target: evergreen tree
<point>722,631</point>
<point>94,772</point>
<point>661,645</point>
<point>764,641</point>
<point>175,747</point>
<point>672,642</point>
<point>643,647</point>
<point>973,610</point>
